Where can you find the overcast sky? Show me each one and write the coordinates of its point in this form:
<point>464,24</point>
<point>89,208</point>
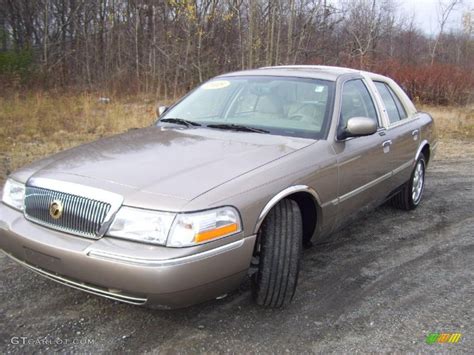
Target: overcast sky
<point>426,13</point>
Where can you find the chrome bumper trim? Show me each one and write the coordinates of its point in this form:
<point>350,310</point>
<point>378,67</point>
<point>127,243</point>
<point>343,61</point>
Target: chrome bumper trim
<point>95,290</point>
<point>94,253</point>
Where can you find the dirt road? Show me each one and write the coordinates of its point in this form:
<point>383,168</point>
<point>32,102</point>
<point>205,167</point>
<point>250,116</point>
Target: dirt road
<point>382,284</point>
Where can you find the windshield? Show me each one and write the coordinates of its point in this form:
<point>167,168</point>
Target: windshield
<point>296,107</point>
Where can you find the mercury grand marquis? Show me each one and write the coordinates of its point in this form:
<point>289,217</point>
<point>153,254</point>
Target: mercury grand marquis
<point>232,181</point>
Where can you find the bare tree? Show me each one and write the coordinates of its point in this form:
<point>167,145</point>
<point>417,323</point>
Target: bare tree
<point>366,23</point>
<point>168,46</point>
<point>444,11</point>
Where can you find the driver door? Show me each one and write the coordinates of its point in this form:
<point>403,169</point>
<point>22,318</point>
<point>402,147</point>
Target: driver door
<point>361,160</point>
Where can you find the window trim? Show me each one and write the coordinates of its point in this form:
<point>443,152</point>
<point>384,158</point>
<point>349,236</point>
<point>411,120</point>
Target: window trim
<point>411,114</point>
<point>388,90</point>
<point>395,98</point>
<point>330,106</point>
<point>380,121</point>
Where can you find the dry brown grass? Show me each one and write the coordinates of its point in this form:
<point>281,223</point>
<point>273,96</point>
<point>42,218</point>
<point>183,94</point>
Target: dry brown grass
<point>35,125</point>
<point>455,127</point>
<point>39,124</point>
<point>452,121</point>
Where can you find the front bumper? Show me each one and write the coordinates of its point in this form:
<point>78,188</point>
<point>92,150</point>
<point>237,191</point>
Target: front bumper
<point>127,271</point>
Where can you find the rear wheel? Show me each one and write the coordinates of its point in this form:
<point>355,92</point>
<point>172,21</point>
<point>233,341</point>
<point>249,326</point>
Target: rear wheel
<point>278,255</point>
<point>412,191</point>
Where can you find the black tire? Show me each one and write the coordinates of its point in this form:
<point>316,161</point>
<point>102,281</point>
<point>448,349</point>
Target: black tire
<point>279,253</point>
<point>405,198</point>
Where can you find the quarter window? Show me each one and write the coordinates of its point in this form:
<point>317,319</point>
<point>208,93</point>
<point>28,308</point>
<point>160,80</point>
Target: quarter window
<point>356,102</point>
<point>393,105</point>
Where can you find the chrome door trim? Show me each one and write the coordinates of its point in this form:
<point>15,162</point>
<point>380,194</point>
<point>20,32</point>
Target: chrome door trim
<point>403,167</point>
<point>360,189</point>
<point>402,122</point>
<point>147,262</point>
<point>370,184</point>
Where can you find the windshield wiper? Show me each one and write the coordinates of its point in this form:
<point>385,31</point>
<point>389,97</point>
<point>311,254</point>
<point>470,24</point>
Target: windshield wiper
<point>237,127</point>
<point>180,121</point>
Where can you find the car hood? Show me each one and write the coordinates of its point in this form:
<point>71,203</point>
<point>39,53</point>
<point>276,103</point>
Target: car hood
<point>167,164</point>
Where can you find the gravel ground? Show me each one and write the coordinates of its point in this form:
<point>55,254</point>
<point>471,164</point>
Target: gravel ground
<point>380,285</point>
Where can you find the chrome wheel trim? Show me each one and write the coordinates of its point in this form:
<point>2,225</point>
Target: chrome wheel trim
<point>418,182</point>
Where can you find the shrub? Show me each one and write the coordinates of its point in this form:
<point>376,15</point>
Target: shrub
<point>441,84</point>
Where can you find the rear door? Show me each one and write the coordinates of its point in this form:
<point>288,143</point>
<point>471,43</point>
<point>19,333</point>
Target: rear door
<point>402,133</point>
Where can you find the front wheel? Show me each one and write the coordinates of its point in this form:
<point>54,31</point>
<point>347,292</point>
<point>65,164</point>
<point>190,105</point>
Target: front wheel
<point>278,252</point>
<point>410,195</point>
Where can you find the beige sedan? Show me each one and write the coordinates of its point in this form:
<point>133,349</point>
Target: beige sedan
<point>232,181</point>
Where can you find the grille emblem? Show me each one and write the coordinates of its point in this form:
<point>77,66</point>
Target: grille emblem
<point>75,212</point>
<point>56,209</point>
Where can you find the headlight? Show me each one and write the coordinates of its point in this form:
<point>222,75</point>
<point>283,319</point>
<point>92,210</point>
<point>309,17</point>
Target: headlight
<point>174,230</point>
<point>200,227</point>
<point>141,225</point>
<point>14,194</point>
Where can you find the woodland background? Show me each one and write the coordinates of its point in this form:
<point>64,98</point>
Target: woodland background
<point>72,71</point>
<point>166,47</point>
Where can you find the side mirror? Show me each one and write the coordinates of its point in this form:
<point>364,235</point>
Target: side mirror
<point>161,110</point>
<point>358,127</point>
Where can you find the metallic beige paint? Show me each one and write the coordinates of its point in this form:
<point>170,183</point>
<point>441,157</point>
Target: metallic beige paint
<point>194,169</point>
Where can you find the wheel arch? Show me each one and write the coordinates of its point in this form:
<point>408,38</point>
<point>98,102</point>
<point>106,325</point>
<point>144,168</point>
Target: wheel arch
<point>424,148</point>
<point>308,201</point>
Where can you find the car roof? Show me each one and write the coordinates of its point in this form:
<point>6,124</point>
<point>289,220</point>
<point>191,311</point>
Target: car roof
<point>307,71</point>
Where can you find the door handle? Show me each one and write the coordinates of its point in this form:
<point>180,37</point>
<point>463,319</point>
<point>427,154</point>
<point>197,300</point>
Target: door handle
<point>415,134</point>
<point>386,146</point>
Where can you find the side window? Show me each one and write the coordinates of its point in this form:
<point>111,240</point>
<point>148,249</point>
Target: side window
<point>393,105</point>
<point>356,102</point>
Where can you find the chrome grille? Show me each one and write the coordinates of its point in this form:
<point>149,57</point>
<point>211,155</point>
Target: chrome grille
<point>80,215</point>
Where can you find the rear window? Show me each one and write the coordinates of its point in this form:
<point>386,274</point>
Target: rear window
<point>393,105</point>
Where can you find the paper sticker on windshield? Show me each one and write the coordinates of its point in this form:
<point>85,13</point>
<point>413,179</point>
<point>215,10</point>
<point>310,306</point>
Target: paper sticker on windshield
<point>319,88</point>
<point>216,84</point>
